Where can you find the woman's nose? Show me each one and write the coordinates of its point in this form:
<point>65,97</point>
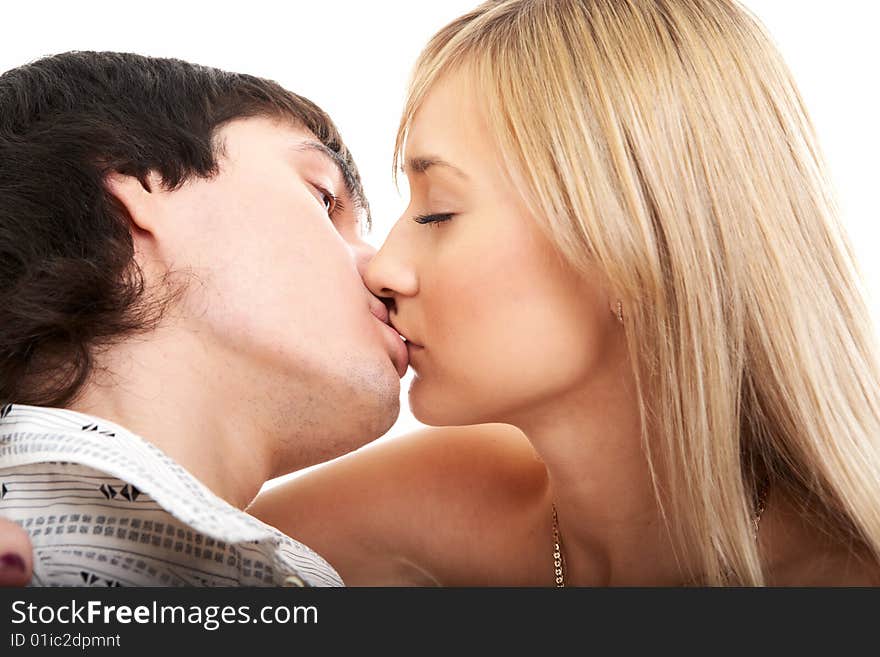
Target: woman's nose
<point>390,273</point>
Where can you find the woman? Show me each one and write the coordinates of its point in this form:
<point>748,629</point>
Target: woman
<point>620,241</point>
<point>15,555</point>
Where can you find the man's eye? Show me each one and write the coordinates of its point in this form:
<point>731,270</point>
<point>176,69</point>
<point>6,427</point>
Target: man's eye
<point>327,199</point>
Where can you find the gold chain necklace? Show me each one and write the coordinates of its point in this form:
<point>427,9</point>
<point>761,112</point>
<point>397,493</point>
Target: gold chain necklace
<point>559,568</point>
<point>557,553</point>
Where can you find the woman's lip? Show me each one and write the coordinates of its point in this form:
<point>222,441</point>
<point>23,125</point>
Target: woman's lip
<point>406,339</point>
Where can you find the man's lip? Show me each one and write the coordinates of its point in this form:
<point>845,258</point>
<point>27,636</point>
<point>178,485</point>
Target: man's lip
<point>401,353</point>
<point>380,312</point>
<point>400,358</point>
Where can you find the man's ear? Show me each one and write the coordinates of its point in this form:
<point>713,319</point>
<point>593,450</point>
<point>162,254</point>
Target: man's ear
<point>140,198</point>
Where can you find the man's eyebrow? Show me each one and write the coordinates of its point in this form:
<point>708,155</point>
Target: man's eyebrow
<point>342,166</point>
<point>326,152</point>
<point>422,164</point>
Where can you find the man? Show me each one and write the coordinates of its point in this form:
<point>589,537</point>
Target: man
<point>183,318</point>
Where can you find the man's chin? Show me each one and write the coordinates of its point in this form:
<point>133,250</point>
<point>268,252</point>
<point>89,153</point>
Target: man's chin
<point>348,433</point>
<point>357,404</point>
<point>365,430</point>
<point>386,412</point>
<point>370,409</point>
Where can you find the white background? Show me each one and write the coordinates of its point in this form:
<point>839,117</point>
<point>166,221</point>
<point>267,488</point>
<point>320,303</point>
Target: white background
<point>353,58</point>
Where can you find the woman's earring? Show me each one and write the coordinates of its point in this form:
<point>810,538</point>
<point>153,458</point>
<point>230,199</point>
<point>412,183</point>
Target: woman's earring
<point>619,311</point>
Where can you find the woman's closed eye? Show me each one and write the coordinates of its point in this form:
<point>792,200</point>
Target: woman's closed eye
<point>434,219</point>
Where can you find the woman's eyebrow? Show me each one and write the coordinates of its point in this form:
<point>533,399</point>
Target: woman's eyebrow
<point>423,163</point>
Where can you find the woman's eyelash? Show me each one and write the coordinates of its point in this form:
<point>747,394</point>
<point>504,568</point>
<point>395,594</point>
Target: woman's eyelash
<point>433,218</point>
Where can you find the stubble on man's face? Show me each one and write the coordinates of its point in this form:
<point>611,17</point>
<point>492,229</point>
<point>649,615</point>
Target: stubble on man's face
<point>281,301</point>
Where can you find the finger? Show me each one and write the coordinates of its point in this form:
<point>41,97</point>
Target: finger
<point>16,555</point>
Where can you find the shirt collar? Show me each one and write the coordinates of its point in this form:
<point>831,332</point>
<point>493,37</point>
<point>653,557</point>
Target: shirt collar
<point>36,434</point>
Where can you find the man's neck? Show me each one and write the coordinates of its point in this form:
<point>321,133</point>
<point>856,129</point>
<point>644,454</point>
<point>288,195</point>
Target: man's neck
<point>172,392</point>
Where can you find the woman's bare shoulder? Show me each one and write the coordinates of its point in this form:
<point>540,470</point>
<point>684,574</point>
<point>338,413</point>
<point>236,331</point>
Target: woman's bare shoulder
<point>440,463</point>
<point>470,455</point>
<point>397,508</point>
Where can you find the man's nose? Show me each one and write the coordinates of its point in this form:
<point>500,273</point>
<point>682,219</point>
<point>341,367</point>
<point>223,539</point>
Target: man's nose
<point>363,254</point>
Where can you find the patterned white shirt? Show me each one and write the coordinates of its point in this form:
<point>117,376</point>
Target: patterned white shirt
<point>104,507</point>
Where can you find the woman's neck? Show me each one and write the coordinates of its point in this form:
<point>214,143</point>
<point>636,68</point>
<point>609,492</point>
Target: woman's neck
<point>610,524</point>
<point>611,528</point>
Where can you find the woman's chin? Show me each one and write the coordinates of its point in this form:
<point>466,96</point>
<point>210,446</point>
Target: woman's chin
<point>427,406</point>
<point>435,409</point>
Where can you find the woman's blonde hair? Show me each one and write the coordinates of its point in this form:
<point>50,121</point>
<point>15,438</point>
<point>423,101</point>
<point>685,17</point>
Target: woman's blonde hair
<point>665,143</point>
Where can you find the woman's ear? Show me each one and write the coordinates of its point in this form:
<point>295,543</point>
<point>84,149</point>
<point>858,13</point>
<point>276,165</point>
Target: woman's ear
<point>140,198</point>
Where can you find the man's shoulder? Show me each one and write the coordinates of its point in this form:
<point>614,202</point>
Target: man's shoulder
<point>91,493</point>
<point>91,528</point>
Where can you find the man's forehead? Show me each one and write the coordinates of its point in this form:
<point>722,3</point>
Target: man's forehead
<point>267,127</point>
<point>289,135</point>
